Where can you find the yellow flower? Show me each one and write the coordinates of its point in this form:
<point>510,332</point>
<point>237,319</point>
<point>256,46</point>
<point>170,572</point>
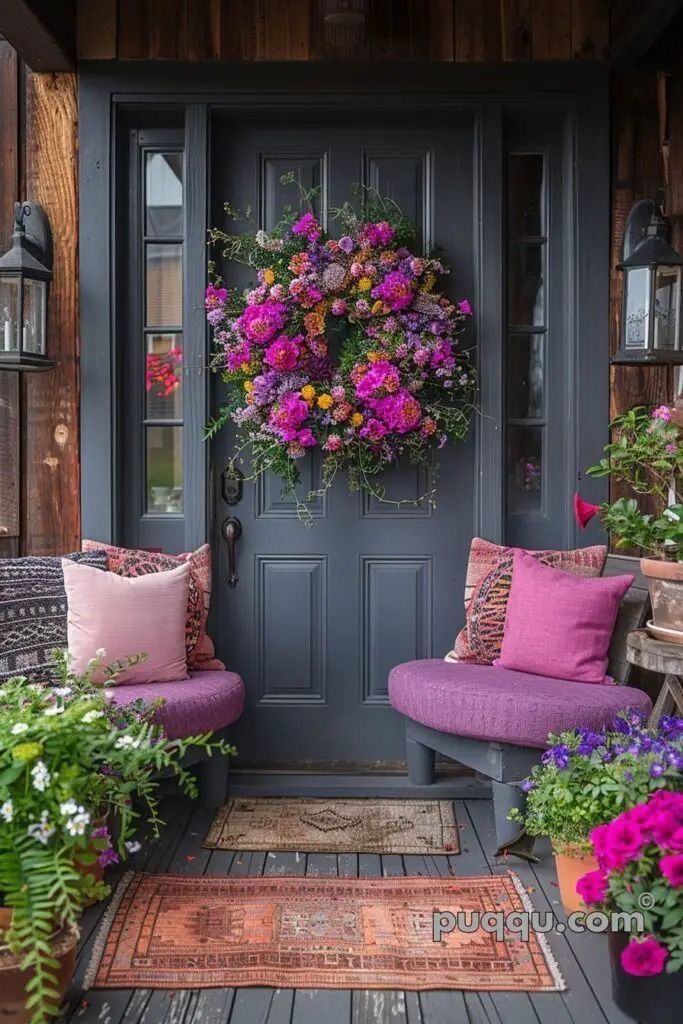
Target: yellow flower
<point>244,367</point>
<point>308,392</point>
<point>325,401</point>
<point>27,751</point>
<point>248,385</point>
<point>364,284</point>
<point>356,419</point>
<point>429,282</point>
<point>268,276</point>
<point>377,306</point>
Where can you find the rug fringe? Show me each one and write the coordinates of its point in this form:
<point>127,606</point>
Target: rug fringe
<point>103,929</point>
<point>553,966</point>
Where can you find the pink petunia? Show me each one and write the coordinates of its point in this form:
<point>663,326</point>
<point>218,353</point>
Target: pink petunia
<point>584,511</point>
<point>624,842</point>
<point>644,957</point>
<point>671,867</point>
<point>592,887</point>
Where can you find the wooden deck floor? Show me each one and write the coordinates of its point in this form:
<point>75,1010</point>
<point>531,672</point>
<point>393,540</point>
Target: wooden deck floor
<point>582,958</point>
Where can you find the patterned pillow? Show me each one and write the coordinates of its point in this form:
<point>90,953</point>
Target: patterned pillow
<point>33,612</point>
<point>487,588</point>
<point>133,562</point>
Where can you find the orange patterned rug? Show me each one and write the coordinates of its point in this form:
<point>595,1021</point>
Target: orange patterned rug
<point>178,931</point>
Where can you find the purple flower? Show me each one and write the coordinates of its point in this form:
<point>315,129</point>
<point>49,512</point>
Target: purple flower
<point>215,316</point>
<point>108,857</point>
<point>656,769</point>
<point>396,290</point>
<point>662,412</point>
<point>308,227</point>
<point>527,785</point>
<point>346,244</point>
<point>464,307</point>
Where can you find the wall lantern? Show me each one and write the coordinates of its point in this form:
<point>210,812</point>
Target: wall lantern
<point>651,316</point>
<point>25,272</point>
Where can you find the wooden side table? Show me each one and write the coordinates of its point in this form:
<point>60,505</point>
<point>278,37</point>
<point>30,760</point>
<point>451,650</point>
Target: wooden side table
<point>665,659</point>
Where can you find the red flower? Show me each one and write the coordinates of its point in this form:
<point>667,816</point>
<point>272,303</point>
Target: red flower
<point>584,511</point>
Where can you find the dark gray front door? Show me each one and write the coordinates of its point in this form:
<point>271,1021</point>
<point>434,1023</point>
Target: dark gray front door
<point>321,614</point>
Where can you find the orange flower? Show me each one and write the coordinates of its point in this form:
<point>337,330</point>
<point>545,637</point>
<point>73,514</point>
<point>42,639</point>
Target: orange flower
<point>356,419</point>
<point>325,401</point>
<point>314,324</point>
<point>299,263</point>
<point>268,277</point>
<point>377,306</point>
<point>374,357</point>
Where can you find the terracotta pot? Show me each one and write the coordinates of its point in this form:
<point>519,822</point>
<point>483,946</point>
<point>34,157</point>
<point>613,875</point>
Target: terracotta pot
<point>655,999</point>
<point>665,583</point>
<point>13,980</point>
<point>570,868</point>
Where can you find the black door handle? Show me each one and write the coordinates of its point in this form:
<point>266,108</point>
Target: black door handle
<point>231,530</point>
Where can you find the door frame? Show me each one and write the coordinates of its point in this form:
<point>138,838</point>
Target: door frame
<point>109,90</point>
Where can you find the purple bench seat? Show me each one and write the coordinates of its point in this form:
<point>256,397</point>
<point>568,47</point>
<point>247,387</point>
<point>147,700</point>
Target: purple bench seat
<point>206,702</point>
<point>488,703</point>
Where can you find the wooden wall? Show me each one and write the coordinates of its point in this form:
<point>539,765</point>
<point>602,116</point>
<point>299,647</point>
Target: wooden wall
<point>39,444</point>
<point>460,30</point>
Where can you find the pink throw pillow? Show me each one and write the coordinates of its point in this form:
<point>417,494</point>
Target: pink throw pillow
<point>127,616</point>
<point>557,624</point>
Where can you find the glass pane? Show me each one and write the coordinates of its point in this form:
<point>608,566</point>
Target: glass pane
<point>164,281</point>
<point>164,377</point>
<point>164,469</point>
<point>33,334</point>
<point>9,314</point>
<point>525,373</point>
<point>637,286</point>
<point>526,186</point>
<point>526,300</point>
<point>164,194</point>
<point>524,469</point>
<point>667,300</point>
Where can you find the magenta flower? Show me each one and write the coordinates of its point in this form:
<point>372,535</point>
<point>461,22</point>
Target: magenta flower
<point>308,227</point>
<point>305,438</point>
<point>671,867</point>
<point>381,233</point>
<point>396,291</point>
<point>464,307</point>
<point>261,323</point>
<point>338,307</point>
<point>214,297</point>
<point>592,887</point>
<point>584,511</point>
<point>624,842</point>
<point>288,415</point>
<point>238,356</point>
<point>373,430</point>
<point>644,957</point>
<point>282,354</point>
<point>662,412</point>
<point>401,412</point>
<point>381,377</point>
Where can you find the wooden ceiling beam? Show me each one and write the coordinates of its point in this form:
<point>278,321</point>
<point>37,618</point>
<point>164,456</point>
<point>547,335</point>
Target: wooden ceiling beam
<point>43,32</point>
<point>642,31</point>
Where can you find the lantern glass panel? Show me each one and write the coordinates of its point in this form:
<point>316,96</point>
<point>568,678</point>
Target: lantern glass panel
<point>637,311</point>
<point>667,311</point>
<point>35,311</point>
<point>9,314</point>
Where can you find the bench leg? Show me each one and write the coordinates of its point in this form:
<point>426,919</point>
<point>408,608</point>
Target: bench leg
<point>420,763</point>
<point>510,835</point>
<point>213,781</point>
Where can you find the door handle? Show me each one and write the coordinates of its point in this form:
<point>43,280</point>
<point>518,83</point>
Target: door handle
<point>231,530</point>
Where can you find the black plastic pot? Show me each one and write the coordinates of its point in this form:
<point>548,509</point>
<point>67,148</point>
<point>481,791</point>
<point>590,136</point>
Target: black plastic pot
<point>651,1000</point>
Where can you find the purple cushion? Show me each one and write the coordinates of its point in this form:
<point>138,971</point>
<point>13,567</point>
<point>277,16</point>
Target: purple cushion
<point>206,701</point>
<point>489,703</point>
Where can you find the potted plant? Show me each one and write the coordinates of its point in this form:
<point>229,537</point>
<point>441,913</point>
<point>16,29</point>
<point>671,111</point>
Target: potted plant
<point>646,454</point>
<point>587,778</point>
<point>640,872</point>
<point>68,757</point>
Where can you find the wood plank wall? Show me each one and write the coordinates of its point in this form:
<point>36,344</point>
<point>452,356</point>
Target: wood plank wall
<point>39,443</point>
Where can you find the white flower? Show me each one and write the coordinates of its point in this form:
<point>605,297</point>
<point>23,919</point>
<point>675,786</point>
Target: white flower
<point>54,709</point>
<point>68,807</point>
<point>7,811</point>
<point>91,716</point>
<point>127,741</point>
<point>78,824</point>
<point>2,693</point>
<point>109,694</point>
<point>133,846</point>
<point>62,691</point>
<point>100,653</point>
<point>40,776</point>
<point>41,830</point>
<point>670,514</point>
<point>19,728</point>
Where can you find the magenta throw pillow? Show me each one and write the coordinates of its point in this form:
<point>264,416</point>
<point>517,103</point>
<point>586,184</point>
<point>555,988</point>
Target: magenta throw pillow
<point>557,624</point>
<point>128,615</point>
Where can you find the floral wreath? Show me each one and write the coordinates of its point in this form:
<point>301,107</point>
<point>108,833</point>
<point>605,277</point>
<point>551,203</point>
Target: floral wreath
<point>398,386</point>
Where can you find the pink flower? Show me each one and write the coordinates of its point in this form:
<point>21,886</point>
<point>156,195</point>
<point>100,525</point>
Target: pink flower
<point>305,438</point>
<point>396,291</point>
<point>381,377</point>
<point>645,957</point>
<point>214,297</point>
<point>584,511</point>
<point>307,226</point>
<point>236,357</point>
<point>624,842</point>
<point>373,430</point>
<point>282,354</point>
<point>671,867</point>
<point>334,443</point>
<point>381,233</point>
<point>464,307</point>
<point>338,307</point>
<point>592,887</point>
<point>662,412</point>
<point>356,269</point>
<point>338,393</point>
<point>663,827</point>
<point>288,415</point>
<point>401,412</point>
<point>261,323</point>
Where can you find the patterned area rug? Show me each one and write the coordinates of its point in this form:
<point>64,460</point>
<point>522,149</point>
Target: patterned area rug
<point>176,931</point>
<point>335,826</point>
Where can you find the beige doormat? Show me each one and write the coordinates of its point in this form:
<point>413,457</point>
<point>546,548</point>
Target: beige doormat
<point>335,826</point>
<point>179,931</point>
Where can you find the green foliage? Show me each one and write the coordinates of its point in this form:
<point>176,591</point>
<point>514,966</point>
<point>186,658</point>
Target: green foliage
<point>68,757</point>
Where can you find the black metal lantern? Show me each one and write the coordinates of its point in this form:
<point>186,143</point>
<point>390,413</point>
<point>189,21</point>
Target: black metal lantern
<point>25,273</point>
<point>651,317</point>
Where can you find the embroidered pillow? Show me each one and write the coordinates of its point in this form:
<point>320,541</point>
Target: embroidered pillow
<point>487,588</point>
<point>133,562</point>
<point>128,615</point>
<point>557,624</point>
<point>33,612</point>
